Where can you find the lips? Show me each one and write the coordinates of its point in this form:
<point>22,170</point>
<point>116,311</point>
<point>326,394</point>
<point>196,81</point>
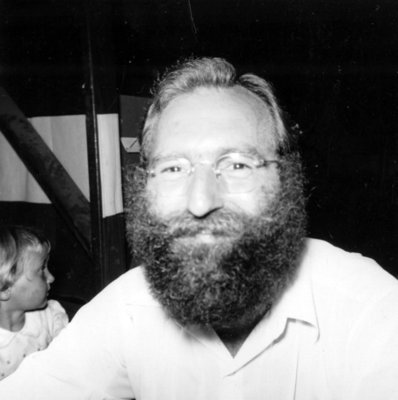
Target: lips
<point>224,224</point>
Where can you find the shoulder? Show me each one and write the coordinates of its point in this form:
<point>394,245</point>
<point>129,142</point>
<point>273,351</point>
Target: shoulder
<point>348,288</point>
<point>52,310</point>
<point>355,302</point>
<point>53,317</point>
<point>54,307</point>
<point>343,271</point>
<point>129,290</point>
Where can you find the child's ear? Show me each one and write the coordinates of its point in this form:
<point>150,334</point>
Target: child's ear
<point>5,294</point>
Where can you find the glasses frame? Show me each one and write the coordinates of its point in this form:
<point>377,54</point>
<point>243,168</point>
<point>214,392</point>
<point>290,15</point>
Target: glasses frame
<point>260,161</point>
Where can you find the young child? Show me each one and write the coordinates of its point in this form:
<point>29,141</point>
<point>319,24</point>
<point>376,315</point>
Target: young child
<point>28,321</point>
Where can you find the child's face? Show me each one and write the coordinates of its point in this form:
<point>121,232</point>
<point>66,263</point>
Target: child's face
<point>30,290</point>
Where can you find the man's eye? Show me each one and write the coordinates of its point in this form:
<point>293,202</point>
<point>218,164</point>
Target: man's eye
<point>170,169</point>
<point>236,166</point>
<point>240,165</point>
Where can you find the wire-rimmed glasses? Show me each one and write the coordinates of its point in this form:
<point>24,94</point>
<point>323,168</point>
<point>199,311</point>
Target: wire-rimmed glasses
<point>235,172</point>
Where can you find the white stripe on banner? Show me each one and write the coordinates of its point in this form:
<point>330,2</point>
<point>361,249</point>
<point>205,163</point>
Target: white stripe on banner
<point>66,137</point>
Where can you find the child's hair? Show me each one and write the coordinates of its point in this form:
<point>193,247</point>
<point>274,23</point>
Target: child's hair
<point>14,241</point>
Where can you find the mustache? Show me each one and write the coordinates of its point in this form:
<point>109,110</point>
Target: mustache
<point>219,223</point>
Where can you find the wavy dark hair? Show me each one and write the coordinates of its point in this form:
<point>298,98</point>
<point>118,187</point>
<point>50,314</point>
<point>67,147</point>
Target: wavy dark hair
<point>188,75</point>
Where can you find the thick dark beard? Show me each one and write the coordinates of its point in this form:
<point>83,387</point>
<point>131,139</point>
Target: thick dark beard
<point>236,281</point>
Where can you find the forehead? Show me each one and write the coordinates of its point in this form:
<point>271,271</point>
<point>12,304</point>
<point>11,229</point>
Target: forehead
<point>210,120</point>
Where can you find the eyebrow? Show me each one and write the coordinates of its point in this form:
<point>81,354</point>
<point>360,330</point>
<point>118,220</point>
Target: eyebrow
<point>250,150</point>
<point>170,157</point>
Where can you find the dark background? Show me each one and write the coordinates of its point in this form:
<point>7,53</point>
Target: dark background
<point>334,66</point>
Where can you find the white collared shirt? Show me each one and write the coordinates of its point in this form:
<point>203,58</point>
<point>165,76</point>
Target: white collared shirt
<point>40,328</point>
<point>332,335</point>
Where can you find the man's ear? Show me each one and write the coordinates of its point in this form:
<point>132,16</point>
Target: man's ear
<point>5,294</point>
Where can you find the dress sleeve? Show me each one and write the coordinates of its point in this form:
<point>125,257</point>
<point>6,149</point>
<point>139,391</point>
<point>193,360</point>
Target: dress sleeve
<point>57,317</point>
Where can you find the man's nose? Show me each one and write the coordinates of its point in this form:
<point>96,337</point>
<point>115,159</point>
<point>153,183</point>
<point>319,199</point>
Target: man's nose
<point>203,193</point>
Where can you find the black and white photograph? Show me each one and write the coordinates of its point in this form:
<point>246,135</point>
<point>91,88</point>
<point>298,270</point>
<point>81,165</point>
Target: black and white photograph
<point>198,200</point>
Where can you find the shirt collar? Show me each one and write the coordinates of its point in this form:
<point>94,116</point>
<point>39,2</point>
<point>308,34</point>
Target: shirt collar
<point>297,302</point>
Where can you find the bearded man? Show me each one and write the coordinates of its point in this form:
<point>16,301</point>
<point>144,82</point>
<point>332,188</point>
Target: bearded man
<point>231,300</point>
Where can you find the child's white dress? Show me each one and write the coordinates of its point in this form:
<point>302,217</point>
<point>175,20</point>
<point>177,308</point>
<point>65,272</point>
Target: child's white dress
<point>40,329</point>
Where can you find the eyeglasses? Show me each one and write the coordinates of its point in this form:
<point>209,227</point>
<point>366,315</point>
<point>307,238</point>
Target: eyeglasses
<point>235,172</point>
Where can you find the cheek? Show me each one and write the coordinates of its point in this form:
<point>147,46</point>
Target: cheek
<point>38,285</point>
<point>249,203</point>
<point>40,291</point>
<point>164,206</point>
<point>256,201</point>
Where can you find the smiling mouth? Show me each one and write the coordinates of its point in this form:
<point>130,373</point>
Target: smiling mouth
<point>206,237</point>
